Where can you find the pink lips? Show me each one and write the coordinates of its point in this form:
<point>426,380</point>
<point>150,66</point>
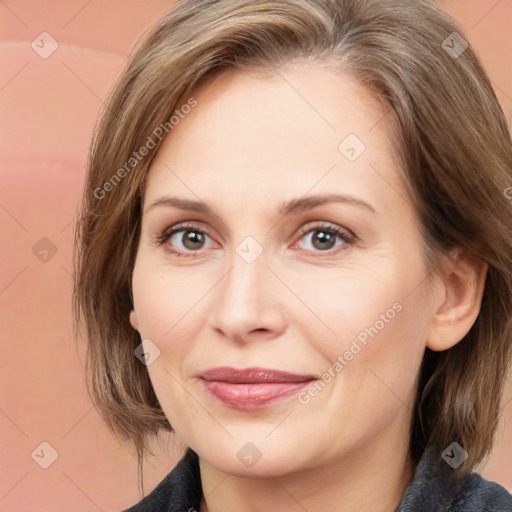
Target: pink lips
<point>251,388</point>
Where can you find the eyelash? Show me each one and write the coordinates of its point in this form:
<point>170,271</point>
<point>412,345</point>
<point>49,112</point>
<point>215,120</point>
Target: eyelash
<point>345,236</point>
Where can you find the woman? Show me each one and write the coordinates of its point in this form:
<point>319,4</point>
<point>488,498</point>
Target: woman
<point>295,253</point>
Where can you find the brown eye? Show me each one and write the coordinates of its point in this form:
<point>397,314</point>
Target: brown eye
<point>324,238</point>
<point>184,240</point>
<point>192,240</point>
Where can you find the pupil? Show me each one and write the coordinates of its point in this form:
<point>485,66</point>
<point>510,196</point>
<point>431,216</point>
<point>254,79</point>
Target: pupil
<point>193,239</point>
<point>323,237</point>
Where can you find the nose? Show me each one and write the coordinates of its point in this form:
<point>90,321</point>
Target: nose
<point>249,302</point>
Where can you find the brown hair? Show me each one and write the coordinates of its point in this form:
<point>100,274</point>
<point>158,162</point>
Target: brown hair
<point>453,141</point>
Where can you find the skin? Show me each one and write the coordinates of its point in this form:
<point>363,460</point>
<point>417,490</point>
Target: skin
<point>251,143</point>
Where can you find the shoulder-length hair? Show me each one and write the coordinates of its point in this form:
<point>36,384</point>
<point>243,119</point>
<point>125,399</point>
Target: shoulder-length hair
<point>456,158</point>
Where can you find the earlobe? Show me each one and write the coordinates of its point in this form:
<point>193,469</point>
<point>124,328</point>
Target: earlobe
<point>459,302</point>
<point>133,320</point>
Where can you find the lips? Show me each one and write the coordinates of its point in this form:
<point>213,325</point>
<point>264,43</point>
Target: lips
<point>252,388</point>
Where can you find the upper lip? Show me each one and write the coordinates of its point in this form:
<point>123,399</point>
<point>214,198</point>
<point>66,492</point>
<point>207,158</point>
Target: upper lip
<point>252,375</point>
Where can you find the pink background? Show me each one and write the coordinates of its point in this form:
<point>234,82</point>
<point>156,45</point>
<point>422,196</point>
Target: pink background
<point>48,109</point>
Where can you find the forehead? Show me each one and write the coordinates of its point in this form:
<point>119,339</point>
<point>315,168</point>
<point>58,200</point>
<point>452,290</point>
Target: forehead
<point>302,126</point>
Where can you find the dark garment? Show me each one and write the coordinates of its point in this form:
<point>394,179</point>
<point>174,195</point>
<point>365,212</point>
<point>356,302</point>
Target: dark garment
<point>433,488</point>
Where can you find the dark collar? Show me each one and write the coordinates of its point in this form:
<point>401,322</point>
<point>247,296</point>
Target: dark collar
<point>179,491</point>
<point>435,487</point>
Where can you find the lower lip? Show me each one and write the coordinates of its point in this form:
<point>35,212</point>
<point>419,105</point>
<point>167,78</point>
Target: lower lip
<point>252,396</point>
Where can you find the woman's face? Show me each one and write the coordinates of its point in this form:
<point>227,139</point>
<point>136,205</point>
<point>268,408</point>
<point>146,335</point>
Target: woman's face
<point>296,250</point>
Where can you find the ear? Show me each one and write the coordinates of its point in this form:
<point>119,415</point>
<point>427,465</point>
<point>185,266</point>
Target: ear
<point>457,301</point>
<point>133,320</point>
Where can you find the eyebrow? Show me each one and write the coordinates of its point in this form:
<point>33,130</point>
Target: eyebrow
<point>292,206</point>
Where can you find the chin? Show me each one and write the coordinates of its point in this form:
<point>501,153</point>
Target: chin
<point>251,459</point>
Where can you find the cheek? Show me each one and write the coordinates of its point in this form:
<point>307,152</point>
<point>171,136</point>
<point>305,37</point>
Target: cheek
<point>167,308</point>
<point>164,298</point>
<point>369,369</point>
<point>353,304</point>
<point>370,322</point>
<point>388,353</point>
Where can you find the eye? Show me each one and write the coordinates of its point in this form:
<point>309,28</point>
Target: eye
<point>188,239</point>
<point>183,240</point>
<point>323,237</point>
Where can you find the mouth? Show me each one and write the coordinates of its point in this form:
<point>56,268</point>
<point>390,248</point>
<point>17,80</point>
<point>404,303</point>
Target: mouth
<point>252,388</point>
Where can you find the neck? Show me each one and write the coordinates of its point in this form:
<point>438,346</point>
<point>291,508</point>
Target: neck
<point>372,477</point>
